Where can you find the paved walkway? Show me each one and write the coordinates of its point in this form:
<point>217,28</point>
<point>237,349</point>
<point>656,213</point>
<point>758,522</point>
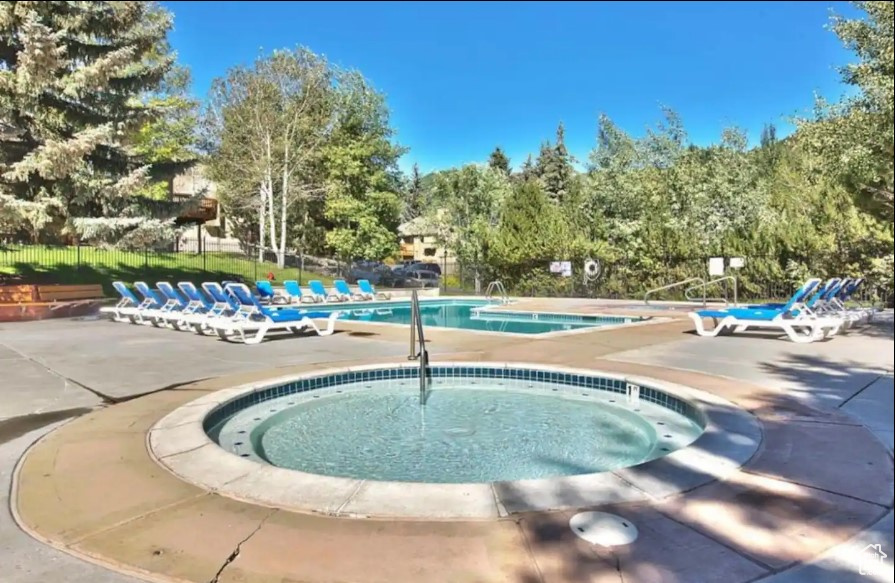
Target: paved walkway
<point>852,375</point>
<point>62,367</point>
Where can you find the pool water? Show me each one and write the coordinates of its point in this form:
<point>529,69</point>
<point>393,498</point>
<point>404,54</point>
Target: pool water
<point>477,315</point>
<point>469,430</point>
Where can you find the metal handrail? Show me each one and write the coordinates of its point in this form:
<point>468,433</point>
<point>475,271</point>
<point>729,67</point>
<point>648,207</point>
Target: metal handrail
<point>705,285</point>
<point>497,286</point>
<point>417,336</point>
<point>672,285</point>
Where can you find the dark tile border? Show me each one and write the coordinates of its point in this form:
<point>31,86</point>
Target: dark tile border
<point>592,382</point>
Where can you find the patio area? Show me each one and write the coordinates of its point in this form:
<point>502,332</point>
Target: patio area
<point>98,508</point>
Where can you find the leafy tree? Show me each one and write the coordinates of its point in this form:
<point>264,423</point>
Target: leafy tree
<point>267,127</point>
<point>72,80</point>
<point>664,145</point>
<point>855,137</point>
<point>170,141</point>
<point>499,161</point>
<point>466,204</point>
<point>362,181</point>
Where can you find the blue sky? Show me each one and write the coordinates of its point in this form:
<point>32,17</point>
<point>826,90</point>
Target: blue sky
<point>461,78</point>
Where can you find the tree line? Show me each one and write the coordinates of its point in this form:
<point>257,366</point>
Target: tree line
<point>96,120</point>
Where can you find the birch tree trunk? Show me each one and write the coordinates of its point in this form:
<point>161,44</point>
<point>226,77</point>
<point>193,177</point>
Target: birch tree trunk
<point>284,193</point>
<point>271,217</point>
<point>281,252</point>
<point>268,178</point>
<point>262,214</point>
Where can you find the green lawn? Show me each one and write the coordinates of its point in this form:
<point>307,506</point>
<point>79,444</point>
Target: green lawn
<point>72,265</point>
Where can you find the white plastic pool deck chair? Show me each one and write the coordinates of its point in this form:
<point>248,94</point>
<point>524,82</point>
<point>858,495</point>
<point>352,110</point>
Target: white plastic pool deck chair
<point>199,309</point>
<point>794,319</point>
<point>180,308</point>
<point>152,308</point>
<point>252,316</point>
<point>366,289</point>
<point>296,296</point>
<point>835,303</point>
<point>127,308</point>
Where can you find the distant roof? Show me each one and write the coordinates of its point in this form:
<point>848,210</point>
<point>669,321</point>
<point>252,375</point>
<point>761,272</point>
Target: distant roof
<point>425,225</point>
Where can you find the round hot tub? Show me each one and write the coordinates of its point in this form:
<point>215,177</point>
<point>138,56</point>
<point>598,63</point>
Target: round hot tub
<point>471,424</point>
<point>483,440</point>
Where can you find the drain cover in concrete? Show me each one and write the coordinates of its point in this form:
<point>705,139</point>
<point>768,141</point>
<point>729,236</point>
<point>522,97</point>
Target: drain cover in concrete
<point>600,528</point>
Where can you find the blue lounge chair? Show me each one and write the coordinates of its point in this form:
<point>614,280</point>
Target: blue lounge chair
<point>319,292</point>
<point>152,307</point>
<point>797,321</point>
<point>200,308</point>
<point>252,315</point>
<point>805,295</point>
<point>199,302</point>
<point>223,302</point>
<point>366,289</point>
<point>836,304</point>
<point>845,294</point>
<point>267,293</point>
<point>343,292</point>
<point>294,293</point>
<point>177,305</point>
<point>127,307</point>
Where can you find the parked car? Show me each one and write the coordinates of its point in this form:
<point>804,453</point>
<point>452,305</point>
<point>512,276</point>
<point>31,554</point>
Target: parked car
<point>433,267</point>
<point>415,276</point>
<point>376,272</point>
<point>428,266</point>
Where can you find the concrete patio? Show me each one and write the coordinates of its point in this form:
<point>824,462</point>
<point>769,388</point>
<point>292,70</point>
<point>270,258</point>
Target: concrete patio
<point>818,490</point>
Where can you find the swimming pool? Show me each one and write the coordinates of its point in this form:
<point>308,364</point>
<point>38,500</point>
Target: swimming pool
<point>479,424</point>
<point>479,315</point>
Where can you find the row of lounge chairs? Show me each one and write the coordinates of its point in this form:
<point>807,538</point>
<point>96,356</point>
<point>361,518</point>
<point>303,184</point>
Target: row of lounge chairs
<point>230,310</point>
<point>317,293</point>
<point>814,312</point>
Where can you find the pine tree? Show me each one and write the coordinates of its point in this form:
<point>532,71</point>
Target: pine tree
<point>527,235</point>
<point>770,150</point>
<point>768,135</point>
<point>528,170</point>
<point>554,167</point>
<point>74,81</point>
<point>499,161</point>
<point>413,206</point>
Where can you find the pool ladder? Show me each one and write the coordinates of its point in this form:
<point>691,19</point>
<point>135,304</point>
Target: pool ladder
<point>700,282</point>
<point>418,344</point>
<point>497,287</point>
<point>704,286</point>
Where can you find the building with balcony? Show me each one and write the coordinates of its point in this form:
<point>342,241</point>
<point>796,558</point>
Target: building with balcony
<point>206,213</point>
<point>419,242</point>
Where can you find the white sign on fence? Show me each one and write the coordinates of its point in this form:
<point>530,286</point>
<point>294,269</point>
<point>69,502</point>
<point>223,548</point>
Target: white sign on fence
<point>716,266</point>
<point>564,268</point>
